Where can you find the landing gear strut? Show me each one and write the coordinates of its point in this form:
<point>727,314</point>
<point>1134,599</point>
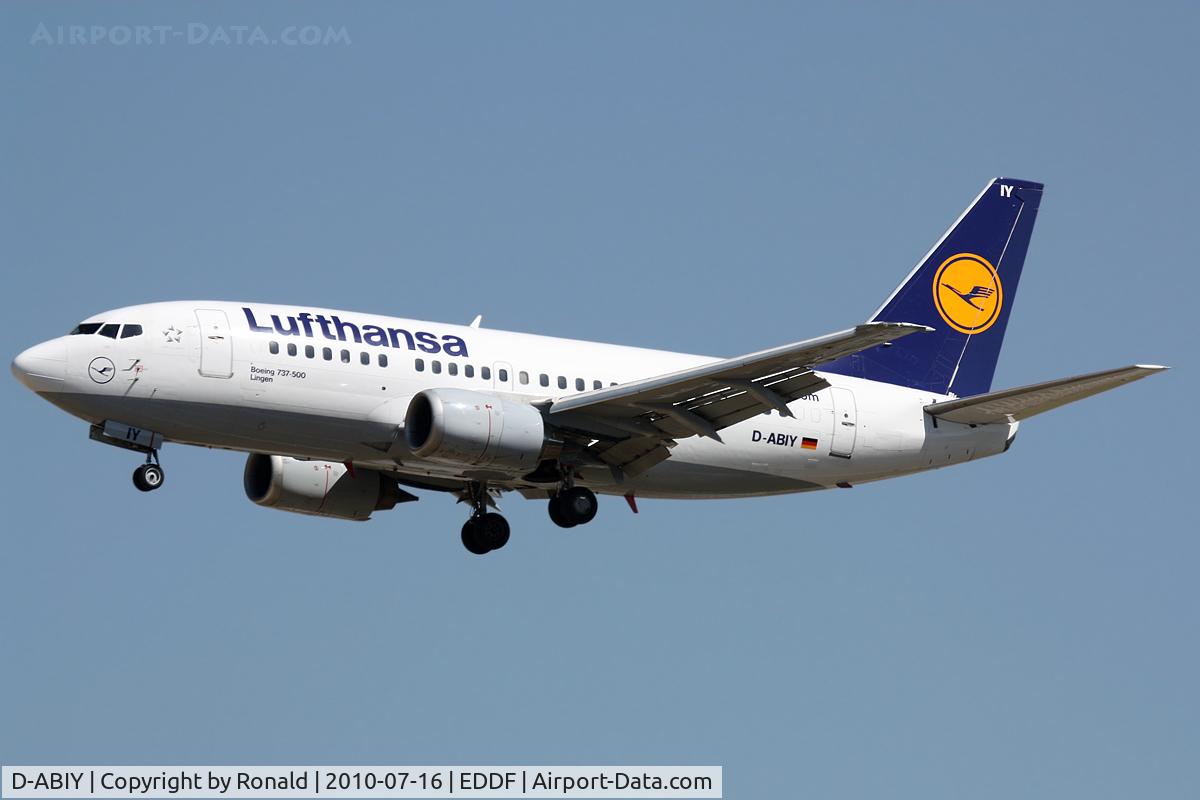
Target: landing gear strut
<point>486,530</point>
<point>149,476</point>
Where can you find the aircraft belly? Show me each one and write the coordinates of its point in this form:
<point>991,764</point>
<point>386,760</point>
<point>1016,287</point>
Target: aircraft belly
<point>237,427</point>
<point>685,479</point>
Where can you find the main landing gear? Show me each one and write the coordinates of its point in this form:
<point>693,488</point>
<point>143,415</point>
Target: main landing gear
<point>484,533</point>
<point>486,530</point>
<point>149,476</point>
<point>575,505</point>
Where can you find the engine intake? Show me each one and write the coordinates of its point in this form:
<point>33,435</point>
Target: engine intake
<point>461,427</point>
<point>320,488</point>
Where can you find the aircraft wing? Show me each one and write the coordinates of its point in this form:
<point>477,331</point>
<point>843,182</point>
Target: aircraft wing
<point>645,415</point>
<point>1011,405</point>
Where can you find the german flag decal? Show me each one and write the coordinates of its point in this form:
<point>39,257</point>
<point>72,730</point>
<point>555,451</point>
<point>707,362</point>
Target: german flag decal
<point>808,444</point>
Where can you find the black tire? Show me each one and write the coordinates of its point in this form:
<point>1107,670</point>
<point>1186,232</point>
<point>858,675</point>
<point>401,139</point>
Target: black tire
<point>578,505</point>
<point>148,477</point>
<point>493,530</point>
<point>471,538</point>
<point>556,513</point>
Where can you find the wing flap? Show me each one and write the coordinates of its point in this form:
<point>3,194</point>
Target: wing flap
<point>635,456</point>
<point>1012,405</point>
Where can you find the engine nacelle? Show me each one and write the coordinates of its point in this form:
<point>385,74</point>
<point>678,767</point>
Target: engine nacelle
<point>461,427</point>
<point>320,488</point>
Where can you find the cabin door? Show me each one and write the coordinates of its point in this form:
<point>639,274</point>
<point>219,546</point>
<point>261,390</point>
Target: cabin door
<point>845,423</point>
<point>216,345</point>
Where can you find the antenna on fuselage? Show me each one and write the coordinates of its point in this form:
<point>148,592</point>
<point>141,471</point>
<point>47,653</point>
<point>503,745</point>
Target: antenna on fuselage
<point>478,319</point>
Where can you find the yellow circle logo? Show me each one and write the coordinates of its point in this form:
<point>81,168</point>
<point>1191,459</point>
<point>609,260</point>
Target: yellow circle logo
<point>967,293</point>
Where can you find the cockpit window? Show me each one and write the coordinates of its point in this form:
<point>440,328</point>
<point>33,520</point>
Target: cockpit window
<point>110,330</point>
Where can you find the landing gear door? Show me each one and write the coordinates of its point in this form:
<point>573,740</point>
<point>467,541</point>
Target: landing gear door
<point>216,345</point>
<point>845,423</point>
<point>502,376</point>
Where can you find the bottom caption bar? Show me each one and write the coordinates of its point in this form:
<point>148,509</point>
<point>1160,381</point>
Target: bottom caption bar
<point>343,782</point>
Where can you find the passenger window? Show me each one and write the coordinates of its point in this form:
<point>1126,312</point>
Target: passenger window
<point>274,348</point>
<point>452,368</point>
<point>364,358</point>
<point>524,376</point>
<point>485,373</point>
<point>544,379</point>
<point>562,382</point>
<point>85,328</point>
<point>502,374</point>
<point>579,384</point>
<point>419,364</point>
<point>327,354</point>
<point>110,330</point>
<point>437,367</point>
<point>291,348</point>
<point>469,371</point>
<point>129,331</point>
<point>596,384</point>
<point>310,351</point>
<point>382,360</point>
<point>345,354</point>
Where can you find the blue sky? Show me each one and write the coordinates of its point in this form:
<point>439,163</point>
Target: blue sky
<point>713,178</point>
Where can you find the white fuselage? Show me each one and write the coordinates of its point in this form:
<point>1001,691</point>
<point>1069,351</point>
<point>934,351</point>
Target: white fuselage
<point>332,385</point>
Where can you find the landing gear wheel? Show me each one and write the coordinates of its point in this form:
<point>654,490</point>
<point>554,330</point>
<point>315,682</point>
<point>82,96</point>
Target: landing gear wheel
<point>574,506</point>
<point>486,530</point>
<point>579,505</point>
<point>148,477</point>
<point>556,513</point>
<point>484,534</point>
<point>471,538</point>
<point>493,530</point>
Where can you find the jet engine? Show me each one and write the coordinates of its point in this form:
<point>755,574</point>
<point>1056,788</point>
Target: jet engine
<point>320,488</point>
<point>462,427</point>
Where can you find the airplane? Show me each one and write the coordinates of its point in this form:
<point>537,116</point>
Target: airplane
<point>342,413</point>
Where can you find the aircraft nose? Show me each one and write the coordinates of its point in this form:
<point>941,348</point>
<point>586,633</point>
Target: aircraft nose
<point>43,367</point>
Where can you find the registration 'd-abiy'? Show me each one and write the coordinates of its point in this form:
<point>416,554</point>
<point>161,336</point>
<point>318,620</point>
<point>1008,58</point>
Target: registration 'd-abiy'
<point>343,414</point>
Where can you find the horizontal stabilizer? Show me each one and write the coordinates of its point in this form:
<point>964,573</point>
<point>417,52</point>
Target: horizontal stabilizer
<point>1012,405</point>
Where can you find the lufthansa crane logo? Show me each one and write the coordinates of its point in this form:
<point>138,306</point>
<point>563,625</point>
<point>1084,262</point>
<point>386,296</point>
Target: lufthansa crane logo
<point>967,293</point>
<point>101,369</point>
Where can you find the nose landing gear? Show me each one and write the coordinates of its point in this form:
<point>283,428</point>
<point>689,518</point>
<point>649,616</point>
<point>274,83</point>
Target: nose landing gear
<point>149,476</point>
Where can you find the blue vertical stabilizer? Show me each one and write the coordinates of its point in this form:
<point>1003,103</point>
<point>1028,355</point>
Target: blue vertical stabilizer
<point>964,289</point>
